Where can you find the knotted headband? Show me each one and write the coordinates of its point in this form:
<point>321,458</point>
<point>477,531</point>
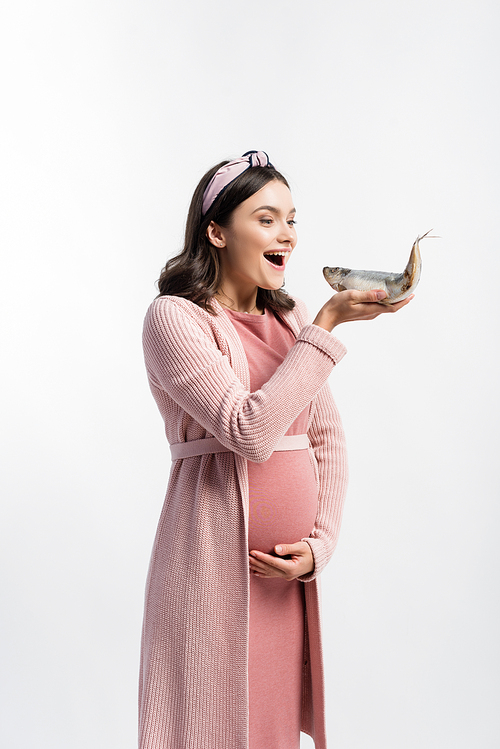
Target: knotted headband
<point>227,173</point>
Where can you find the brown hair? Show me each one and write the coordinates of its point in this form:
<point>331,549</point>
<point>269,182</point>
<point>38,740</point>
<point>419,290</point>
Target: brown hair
<point>195,272</point>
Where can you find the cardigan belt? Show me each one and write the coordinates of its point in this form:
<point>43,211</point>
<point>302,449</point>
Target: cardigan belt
<point>180,450</point>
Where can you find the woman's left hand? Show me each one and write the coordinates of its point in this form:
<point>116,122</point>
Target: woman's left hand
<point>301,561</point>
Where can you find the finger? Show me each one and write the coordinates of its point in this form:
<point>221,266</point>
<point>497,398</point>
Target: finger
<point>298,549</point>
<point>404,302</point>
<point>259,566</point>
<point>264,570</point>
<point>373,297</point>
<point>268,572</point>
<point>288,549</point>
<point>267,563</point>
<point>356,296</point>
<point>374,310</point>
<point>397,305</point>
<point>370,297</point>
<point>267,560</point>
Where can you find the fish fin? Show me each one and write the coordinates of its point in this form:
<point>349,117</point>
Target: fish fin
<point>427,235</point>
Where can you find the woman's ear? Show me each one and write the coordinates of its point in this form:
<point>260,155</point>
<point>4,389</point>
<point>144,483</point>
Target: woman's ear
<point>214,235</point>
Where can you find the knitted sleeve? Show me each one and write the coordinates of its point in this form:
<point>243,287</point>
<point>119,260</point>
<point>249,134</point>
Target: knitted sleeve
<point>326,436</point>
<point>183,359</point>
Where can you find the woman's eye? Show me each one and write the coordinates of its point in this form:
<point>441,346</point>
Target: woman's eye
<point>292,222</point>
<point>266,221</point>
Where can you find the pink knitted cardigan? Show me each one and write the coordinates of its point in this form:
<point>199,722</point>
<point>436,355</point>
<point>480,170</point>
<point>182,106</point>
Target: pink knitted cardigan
<point>193,691</point>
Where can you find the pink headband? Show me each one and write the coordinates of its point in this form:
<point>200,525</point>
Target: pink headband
<point>229,172</point>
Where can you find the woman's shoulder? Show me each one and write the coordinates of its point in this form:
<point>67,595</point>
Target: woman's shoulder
<point>176,316</point>
<point>174,307</point>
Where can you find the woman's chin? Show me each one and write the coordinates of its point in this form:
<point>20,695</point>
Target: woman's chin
<point>273,286</point>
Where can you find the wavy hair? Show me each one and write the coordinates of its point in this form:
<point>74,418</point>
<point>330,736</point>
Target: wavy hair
<point>195,273</point>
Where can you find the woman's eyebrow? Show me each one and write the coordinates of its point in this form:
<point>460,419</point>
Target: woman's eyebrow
<point>272,209</point>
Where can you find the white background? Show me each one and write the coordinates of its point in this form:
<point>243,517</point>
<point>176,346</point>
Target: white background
<point>385,117</point>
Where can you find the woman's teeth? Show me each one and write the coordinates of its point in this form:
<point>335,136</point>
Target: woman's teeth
<point>276,258</point>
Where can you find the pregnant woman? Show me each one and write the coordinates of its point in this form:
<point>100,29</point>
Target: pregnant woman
<point>231,646</point>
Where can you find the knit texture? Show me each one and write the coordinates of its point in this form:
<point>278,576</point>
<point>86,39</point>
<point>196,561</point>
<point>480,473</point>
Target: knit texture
<point>193,682</point>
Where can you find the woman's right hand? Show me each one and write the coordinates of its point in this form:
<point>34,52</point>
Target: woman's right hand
<point>351,305</point>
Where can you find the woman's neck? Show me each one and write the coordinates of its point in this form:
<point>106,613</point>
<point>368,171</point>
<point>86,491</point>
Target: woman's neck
<point>239,302</point>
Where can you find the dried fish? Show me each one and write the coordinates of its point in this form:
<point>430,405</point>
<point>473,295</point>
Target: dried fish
<point>398,286</point>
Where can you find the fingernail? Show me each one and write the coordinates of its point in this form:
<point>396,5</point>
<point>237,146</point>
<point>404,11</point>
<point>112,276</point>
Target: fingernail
<point>279,549</point>
<point>381,294</point>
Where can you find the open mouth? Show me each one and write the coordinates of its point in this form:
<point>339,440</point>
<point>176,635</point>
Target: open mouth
<point>276,258</point>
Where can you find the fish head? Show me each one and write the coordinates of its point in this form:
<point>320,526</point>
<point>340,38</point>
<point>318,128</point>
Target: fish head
<point>335,276</point>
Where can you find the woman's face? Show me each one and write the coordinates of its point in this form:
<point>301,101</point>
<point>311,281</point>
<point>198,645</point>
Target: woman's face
<point>255,248</point>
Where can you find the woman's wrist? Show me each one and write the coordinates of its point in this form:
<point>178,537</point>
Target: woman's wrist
<point>326,319</point>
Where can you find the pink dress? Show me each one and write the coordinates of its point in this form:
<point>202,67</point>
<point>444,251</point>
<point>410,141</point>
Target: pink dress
<point>282,509</point>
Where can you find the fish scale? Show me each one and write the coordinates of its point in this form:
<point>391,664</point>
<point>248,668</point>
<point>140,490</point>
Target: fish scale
<point>398,286</point>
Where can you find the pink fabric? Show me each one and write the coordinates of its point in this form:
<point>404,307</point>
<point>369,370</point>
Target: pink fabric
<point>227,173</point>
<point>189,449</point>
<point>194,662</point>
<point>283,493</point>
<point>283,499</point>
<point>275,676</point>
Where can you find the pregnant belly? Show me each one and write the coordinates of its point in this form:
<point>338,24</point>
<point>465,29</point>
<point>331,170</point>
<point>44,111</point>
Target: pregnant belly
<point>283,500</point>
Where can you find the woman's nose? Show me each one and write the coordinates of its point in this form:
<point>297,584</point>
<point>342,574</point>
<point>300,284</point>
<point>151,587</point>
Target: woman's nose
<point>287,233</point>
